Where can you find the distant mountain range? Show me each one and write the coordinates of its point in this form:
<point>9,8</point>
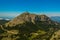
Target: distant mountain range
<point>55,18</point>
<point>6,18</point>
<point>3,20</point>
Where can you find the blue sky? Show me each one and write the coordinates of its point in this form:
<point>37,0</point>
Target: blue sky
<point>12,8</point>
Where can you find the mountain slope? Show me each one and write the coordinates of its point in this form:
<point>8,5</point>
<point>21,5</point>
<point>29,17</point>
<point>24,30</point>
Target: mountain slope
<point>29,27</point>
<point>56,35</point>
<point>27,17</point>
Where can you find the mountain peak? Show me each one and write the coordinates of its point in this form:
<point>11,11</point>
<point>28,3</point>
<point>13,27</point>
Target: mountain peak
<point>25,13</point>
<point>27,17</point>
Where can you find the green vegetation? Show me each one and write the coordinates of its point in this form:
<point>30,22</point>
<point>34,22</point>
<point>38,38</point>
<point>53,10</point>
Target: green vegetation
<point>27,31</point>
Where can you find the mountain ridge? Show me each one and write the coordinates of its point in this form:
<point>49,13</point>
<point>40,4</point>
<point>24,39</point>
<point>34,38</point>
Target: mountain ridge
<point>28,26</point>
<point>27,17</point>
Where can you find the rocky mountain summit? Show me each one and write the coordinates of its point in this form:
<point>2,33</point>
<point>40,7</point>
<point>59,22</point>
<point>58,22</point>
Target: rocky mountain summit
<point>27,17</point>
<point>28,26</point>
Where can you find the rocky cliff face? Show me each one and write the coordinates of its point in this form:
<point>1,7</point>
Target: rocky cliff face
<point>27,17</point>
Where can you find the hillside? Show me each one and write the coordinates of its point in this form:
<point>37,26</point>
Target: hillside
<point>56,35</point>
<point>29,27</point>
<point>3,21</point>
